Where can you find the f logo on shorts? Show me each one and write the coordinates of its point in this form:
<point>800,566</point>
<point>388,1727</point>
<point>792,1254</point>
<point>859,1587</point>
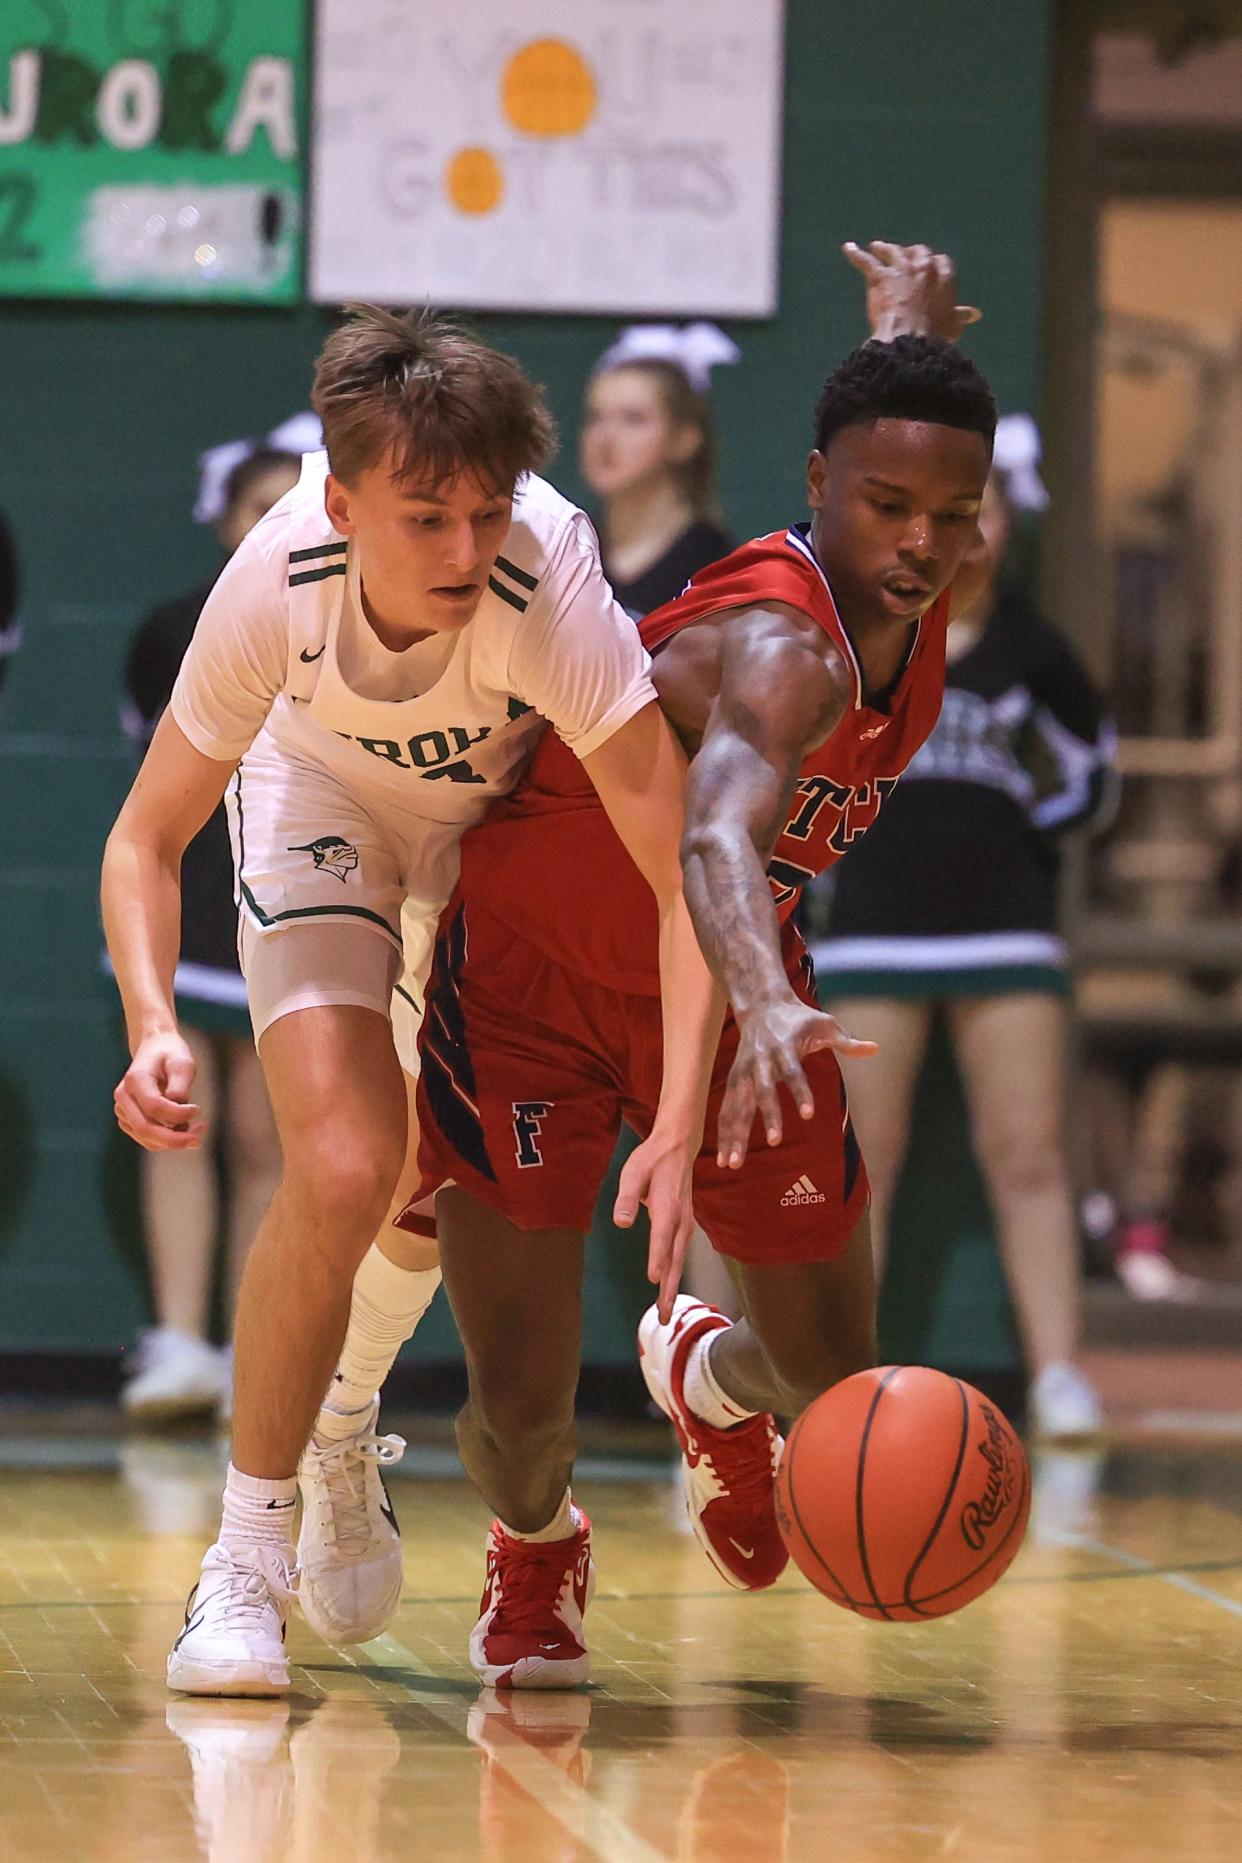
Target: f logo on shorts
<point>528,1118</point>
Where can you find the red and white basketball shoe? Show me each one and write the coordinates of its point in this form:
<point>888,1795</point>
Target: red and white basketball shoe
<point>728,1476</point>
<point>529,1633</point>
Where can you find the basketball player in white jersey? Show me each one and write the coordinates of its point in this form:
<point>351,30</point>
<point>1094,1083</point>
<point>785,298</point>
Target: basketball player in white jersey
<point>372,668</point>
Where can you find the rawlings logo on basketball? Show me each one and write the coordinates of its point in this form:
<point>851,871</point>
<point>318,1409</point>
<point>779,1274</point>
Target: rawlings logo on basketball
<point>783,1520</point>
<point>978,1517</point>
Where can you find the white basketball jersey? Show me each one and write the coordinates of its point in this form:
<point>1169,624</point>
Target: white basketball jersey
<point>547,642</point>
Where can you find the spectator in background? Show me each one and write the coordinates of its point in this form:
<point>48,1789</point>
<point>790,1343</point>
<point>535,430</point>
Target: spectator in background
<point>177,1371</point>
<point>1020,754</point>
<point>648,455</point>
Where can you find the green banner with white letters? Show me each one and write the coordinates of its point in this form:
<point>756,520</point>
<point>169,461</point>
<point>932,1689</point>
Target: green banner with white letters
<point>152,149</point>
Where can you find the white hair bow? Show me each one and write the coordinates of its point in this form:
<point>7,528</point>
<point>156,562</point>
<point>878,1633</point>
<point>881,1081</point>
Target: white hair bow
<point>695,349</point>
<point>301,433</point>
<point>1016,453</point>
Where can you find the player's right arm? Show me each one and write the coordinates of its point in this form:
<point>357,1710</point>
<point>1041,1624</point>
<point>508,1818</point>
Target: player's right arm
<point>174,794</point>
<point>783,689</point>
<point>231,673</point>
<point>911,291</point>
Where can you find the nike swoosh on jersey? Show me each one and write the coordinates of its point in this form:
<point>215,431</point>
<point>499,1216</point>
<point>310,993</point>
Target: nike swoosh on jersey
<point>308,657</point>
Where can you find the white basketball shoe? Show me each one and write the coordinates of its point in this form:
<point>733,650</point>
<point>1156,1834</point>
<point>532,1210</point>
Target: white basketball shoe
<point>173,1375</point>
<point>233,1639</point>
<point>1064,1404</point>
<point>349,1552</point>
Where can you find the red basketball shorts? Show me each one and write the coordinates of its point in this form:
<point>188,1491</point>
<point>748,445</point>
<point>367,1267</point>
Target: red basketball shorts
<point>528,1070</point>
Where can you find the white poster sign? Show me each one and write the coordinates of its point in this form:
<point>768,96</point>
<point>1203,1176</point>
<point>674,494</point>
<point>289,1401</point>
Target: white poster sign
<point>568,155</point>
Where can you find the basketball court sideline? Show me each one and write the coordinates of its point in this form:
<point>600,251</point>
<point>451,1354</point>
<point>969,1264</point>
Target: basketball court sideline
<point>1079,1711</point>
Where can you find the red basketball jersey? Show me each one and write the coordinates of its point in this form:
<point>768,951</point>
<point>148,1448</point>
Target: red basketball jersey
<point>547,862</point>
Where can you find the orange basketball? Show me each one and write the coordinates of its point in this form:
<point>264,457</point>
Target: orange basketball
<point>902,1493</point>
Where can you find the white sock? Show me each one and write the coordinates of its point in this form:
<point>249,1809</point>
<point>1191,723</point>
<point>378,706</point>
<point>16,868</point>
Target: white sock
<point>566,1520</point>
<point>386,1305</point>
<point>255,1509</point>
<point>703,1394</point>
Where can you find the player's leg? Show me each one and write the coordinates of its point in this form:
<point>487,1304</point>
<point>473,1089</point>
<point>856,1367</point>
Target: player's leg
<point>253,1149</point>
<point>349,1550</point>
<point>516,1296</point>
<point>1017,1113</point>
<point>399,1274</point>
<point>793,1224</point>
<point>338,1098</point>
<point>519,1111</point>
<point>393,1288</point>
<point>805,1325</point>
<point>707,1277</point>
<point>339,1101</point>
<point>517,1299</point>
<point>881,1093</point>
<point>177,1369</point>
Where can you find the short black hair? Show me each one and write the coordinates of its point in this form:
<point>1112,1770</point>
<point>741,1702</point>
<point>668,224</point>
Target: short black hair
<point>917,378</point>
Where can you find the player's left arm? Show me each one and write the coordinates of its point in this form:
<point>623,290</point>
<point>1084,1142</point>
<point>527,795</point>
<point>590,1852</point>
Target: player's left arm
<point>639,774</point>
<point>783,689</point>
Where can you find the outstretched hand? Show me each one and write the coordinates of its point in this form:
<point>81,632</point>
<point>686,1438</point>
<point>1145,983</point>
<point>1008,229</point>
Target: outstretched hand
<point>658,1174</point>
<point>911,290</point>
<point>774,1041</point>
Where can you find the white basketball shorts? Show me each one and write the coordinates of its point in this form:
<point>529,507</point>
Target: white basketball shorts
<point>338,902</point>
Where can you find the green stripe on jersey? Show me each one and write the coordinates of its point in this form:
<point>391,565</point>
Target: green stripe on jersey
<point>520,576</point>
<point>320,549</point>
<point>318,575</point>
<point>507,595</point>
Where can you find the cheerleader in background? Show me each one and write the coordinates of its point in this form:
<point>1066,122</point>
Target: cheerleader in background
<point>648,454</point>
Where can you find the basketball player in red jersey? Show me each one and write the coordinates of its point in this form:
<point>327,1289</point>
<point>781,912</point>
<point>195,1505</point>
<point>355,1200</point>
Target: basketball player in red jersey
<point>801,673</point>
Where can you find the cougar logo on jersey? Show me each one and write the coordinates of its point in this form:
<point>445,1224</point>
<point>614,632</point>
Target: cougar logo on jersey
<point>331,855</point>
